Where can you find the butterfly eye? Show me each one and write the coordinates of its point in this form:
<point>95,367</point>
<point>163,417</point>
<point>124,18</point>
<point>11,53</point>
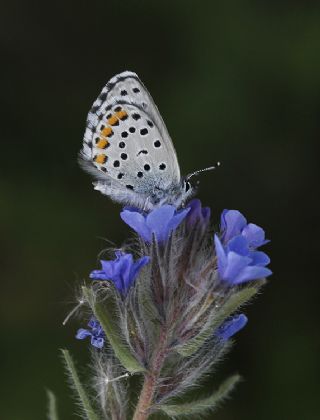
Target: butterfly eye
<point>187,186</point>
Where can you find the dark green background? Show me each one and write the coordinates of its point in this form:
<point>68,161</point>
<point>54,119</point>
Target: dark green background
<point>236,81</point>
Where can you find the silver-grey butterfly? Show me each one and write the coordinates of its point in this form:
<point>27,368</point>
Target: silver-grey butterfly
<point>128,149</point>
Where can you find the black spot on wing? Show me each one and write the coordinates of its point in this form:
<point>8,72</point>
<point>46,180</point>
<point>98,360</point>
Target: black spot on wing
<point>142,152</point>
<point>103,96</point>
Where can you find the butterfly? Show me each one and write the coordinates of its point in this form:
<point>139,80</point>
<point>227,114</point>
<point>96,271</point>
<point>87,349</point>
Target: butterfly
<point>127,148</point>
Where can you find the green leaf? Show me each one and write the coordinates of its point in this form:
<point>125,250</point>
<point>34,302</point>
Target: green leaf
<point>218,316</point>
<point>52,406</point>
<point>199,406</point>
<point>105,314</point>
<point>85,401</point>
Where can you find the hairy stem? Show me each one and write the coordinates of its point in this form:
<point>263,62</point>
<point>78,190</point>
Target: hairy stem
<point>151,379</point>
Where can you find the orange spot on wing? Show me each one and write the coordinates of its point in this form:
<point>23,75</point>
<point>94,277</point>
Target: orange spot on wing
<point>102,144</point>
<point>107,131</point>
<point>113,119</point>
<point>100,159</point>
<point>121,114</point>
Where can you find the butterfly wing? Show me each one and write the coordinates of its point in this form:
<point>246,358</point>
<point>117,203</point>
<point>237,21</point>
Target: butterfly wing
<point>126,144</point>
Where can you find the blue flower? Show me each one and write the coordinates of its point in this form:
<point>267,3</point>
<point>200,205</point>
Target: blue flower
<point>233,223</point>
<point>97,335</point>
<point>237,257</point>
<point>159,222</point>
<point>231,326</point>
<point>122,271</point>
<point>237,264</point>
<point>197,214</point>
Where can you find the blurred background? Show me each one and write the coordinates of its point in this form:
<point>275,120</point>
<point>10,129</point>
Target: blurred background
<point>236,81</point>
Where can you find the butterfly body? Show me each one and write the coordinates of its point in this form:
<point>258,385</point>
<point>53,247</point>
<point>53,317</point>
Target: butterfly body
<point>128,150</point>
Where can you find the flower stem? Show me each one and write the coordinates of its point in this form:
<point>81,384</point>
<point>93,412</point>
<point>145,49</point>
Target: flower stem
<point>151,379</point>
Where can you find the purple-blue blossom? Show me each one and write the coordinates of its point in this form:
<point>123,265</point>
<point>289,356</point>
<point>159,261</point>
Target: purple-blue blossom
<point>160,222</point>
<point>96,333</point>
<point>197,213</point>
<point>231,326</point>
<point>237,258</point>
<point>122,271</point>
<point>233,223</point>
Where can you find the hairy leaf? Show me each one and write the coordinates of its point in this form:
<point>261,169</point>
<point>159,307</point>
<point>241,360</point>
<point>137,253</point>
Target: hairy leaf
<point>200,406</point>
<point>218,316</point>
<point>84,399</point>
<point>52,406</point>
<point>104,312</point>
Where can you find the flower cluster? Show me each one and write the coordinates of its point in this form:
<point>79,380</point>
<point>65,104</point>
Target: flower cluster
<point>176,296</point>
<point>238,260</point>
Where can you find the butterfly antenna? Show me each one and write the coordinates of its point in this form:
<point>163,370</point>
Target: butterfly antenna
<point>196,173</point>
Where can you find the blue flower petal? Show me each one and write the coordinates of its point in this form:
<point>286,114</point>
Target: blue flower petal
<point>123,266</point>
<point>235,264</point>
<point>82,333</point>
<point>259,258</point>
<point>221,256</point>
<point>177,219</point>
<point>93,323</point>
<point>158,221</point>
<point>232,223</point>
<point>97,342</point>
<point>141,262</point>
<point>255,235</point>
<point>197,214</point>
<point>108,267</point>
<point>99,275</point>
<point>206,213</point>
<point>138,223</point>
<point>239,244</point>
<point>251,273</point>
<point>232,326</point>
<point>133,209</point>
